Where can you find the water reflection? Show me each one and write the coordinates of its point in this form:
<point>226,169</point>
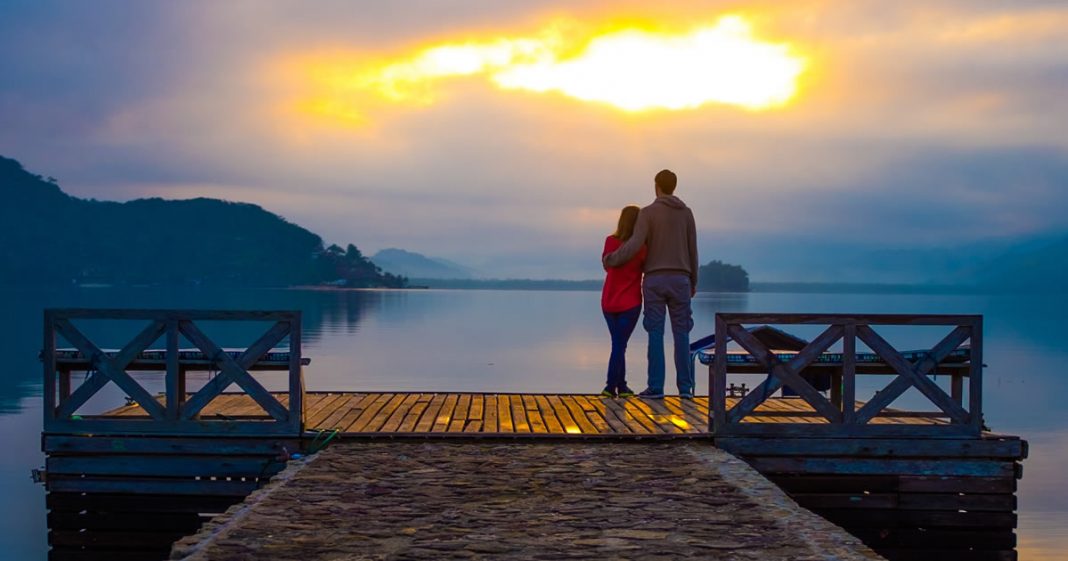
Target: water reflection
<point>1043,496</point>
<point>435,340</point>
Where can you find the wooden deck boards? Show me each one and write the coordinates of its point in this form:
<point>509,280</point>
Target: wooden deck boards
<point>481,414</point>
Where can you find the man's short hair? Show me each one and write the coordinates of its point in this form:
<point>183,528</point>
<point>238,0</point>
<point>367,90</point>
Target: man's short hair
<point>666,181</point>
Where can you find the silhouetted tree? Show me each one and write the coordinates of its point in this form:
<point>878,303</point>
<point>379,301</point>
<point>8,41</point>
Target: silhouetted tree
<point>718,276</point>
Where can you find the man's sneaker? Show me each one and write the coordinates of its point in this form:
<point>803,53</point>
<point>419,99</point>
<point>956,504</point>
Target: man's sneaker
<point>608,392</point>
<point>685,395</point>
<point>626,392</point>
<point>650,394</point>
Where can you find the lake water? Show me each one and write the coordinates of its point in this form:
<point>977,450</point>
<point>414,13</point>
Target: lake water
<point>541,342</point>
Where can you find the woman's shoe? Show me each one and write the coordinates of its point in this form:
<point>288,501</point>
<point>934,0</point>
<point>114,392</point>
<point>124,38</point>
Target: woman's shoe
<point>608,392</point>
<point>625,392</point>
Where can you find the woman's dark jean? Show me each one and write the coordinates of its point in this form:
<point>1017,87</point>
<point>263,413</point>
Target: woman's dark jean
<point>620,326</point>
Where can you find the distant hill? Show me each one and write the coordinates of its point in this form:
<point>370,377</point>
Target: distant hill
<point>48,237</point>
<point>1040,265</point>
<point>417,266</point>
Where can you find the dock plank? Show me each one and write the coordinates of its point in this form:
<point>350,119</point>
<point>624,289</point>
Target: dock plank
<point>629,414</point>
<point>567,420</point>
<point>246,408</point>
<point>655,412</point>
<point>430,415</point>
<point>553,421</point>
<point>587,417</point>
<point>224,404</point>
<point>324,406</point>
<point>398,415</point>
<point>379,419</point>
<point>415,412</point>
<point>636,415</point>
<point>489,420</point>
<point>505,414</point>
<point>543,410</point>
<point>519,414</point>
<point>680,416</point>
<point>459,416</point>
<point>364,418</point>
<point>332,417</point>
<point>441,424</point>
<point>312,399</point>
<point>473,425</point>
<point>477,407</point>
<point>607,414</point>
<point>689,410</point>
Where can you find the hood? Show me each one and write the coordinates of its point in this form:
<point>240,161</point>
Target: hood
<point>671,201</point>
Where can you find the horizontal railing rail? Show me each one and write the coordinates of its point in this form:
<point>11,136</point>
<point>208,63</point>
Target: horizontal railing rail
<point>838,413</point>
<point>179,413</point>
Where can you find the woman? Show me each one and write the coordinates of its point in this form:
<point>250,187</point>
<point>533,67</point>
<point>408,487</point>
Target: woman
<point>621,302</point>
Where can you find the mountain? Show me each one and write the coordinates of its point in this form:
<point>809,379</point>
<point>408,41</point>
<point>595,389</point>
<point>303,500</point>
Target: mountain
<point>48,237</point>
<point>418,266</point>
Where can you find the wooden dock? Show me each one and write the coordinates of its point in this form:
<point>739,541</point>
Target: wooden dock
<point>930,484</point>
<point>415,414</point>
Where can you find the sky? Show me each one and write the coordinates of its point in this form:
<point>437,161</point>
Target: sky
<point>507,134</point>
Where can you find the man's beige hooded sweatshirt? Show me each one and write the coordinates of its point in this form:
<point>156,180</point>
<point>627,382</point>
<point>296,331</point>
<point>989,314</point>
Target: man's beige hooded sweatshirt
<point>667,228</point>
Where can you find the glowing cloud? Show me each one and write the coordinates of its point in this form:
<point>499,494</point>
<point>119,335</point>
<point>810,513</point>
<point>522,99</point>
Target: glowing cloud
<point>635,70</point>
<point>631,69</point>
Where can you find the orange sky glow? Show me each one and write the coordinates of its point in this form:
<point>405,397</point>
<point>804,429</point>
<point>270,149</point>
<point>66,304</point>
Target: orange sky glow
<point>630,67</point>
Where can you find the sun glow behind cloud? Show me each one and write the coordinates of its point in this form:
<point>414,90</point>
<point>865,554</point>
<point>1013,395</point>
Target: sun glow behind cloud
<point>636,70</point>
<point>630,68</point>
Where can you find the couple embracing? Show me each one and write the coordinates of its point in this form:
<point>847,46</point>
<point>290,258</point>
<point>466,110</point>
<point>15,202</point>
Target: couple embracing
<point>659,241</point>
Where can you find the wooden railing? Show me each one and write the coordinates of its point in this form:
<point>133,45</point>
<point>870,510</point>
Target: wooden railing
<point>838,413</point>
<point>179,413</point>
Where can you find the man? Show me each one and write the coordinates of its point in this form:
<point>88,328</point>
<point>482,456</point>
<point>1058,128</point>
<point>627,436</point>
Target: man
<point>666,227</point>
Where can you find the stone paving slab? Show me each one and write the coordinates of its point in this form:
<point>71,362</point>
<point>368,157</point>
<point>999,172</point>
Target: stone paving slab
<point>486,500</point>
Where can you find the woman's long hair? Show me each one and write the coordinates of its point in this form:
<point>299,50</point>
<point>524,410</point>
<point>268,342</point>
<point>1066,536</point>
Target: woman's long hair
<point>627,218</point>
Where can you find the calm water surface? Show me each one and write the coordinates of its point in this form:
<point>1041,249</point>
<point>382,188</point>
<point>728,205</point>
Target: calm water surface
<point>537,342</point>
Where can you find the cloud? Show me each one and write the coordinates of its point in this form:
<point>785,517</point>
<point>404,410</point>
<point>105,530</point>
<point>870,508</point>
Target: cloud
<point>913,124</point>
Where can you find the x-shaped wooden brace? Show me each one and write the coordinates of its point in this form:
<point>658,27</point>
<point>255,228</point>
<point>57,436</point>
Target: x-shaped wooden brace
<point>234,370</point>
<point>780,374</point>
<point>910,374</point>
<point>111,369</point>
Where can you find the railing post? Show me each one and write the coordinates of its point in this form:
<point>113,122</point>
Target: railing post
<point>48,359</point>
<point>849,372</point>
<point>296,374</point>
<point>956,388</point>
<point>975,375</point>
<point>717,398</point>
<point>173,383</point>
<point>64,384</point>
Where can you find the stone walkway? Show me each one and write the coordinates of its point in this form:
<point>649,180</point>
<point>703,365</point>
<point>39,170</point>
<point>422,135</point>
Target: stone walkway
<point>441,500</point>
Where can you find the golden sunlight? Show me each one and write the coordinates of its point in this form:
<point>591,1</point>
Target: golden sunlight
<point>635,70</point>
<point>628,68</point>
